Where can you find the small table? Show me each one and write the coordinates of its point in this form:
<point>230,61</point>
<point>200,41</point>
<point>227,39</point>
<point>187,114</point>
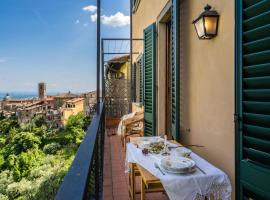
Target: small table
<point>149,183</point>
<point>207,180</point>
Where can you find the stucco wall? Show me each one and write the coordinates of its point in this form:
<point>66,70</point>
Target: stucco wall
<point>125,68</point>
<point>146,14</point>
<point>207,85</point>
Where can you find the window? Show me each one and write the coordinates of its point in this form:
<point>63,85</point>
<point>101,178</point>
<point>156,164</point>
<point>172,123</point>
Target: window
<point>135,5</point>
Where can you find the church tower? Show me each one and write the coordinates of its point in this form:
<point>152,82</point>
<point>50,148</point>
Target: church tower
<point>41,90</point>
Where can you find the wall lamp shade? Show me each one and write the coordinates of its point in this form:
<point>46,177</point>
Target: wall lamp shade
<point>206,25</point>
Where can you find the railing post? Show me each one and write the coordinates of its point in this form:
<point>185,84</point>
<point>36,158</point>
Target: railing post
<point>131,54</point>
<point>98,54</point>
<point>102,70</point>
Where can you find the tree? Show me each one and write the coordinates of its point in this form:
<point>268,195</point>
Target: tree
<point>22,165</point>
<point>24,141</point>
<point>75,121</point>
<point>51,148</point>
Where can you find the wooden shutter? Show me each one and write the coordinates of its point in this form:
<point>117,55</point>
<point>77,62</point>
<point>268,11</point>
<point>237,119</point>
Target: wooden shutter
<point>150,80</point>
<point>175,69</point>
<point>253,99</point>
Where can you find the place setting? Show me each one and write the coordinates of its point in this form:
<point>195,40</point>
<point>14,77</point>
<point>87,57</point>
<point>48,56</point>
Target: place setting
<point>177,168</point>
<point>168,158</point>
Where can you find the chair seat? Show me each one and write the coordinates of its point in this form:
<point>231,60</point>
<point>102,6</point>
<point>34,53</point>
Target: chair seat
<point>137,129</point>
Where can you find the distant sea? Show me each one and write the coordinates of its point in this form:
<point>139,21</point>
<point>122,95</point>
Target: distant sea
<point>16,95</point>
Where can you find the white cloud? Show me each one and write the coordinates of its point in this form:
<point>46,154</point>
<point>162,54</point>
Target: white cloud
<point>90,8</point>
<point>85,24</point>
<point>116,20</point>
<point>94,17</point>
<point>77,21</point>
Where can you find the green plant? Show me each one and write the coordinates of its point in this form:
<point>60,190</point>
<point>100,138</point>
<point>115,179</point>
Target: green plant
<point>51,148</point>
<point>24,141</point>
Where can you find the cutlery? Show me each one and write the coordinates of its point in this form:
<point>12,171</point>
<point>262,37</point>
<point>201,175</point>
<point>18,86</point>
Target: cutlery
<point>175,147</point>
<point>200,170</point>
<point>157,166</point>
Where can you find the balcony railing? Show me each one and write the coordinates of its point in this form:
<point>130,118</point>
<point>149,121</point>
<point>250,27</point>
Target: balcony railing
<point>84,179</point>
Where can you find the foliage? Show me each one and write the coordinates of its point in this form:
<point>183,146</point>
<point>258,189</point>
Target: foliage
<point>35,157</point>
<point>51,148</point>
<point>7,124</point>
<point>24,141</point>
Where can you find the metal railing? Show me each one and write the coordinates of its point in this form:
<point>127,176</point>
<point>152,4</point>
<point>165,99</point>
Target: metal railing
<point>84,180</point>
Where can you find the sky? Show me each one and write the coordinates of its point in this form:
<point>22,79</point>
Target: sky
<point>54,41</point>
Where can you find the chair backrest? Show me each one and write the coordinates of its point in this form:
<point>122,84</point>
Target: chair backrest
<point>139,117</point>
<point>112,122</point>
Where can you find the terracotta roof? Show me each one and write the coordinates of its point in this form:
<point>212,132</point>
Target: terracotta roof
<point>75,100</point>
<point>66,95</point>
<point>124,58</point>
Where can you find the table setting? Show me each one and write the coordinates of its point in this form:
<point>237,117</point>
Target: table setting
<point>183,174</point>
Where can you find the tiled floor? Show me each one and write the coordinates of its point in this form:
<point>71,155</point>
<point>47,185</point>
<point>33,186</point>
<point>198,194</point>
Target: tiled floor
<point>115,179</point>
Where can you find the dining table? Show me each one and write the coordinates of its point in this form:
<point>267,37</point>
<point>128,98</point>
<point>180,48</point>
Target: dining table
<point>202,183</point>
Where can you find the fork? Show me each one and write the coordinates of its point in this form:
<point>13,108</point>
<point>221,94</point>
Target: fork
<point>157,167</point>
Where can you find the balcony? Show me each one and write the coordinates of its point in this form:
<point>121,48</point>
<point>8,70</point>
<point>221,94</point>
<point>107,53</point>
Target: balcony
<point>98,170</point>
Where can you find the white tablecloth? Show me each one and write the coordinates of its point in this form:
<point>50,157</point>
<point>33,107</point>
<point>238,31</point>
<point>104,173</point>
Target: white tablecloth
<point>185,187</point>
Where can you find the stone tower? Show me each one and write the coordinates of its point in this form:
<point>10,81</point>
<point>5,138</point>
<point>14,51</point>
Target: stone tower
<point>41,90</point>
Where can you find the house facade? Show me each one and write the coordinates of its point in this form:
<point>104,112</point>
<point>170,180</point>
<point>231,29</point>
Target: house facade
<point>213,92</point>
<point>71,107</point>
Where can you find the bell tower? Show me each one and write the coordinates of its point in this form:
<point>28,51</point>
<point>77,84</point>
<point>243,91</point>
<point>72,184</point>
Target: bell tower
<point>41,90</point>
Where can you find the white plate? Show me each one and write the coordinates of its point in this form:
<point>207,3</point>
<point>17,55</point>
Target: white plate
<point>182,151</point>
<point>145,142</point>
<point>177,164</point>
<point>188,171</point>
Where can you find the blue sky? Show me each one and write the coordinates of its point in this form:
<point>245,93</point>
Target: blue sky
<point>54,41</point>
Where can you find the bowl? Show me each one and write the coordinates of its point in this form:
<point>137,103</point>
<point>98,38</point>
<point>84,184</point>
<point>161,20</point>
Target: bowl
<point>183,152</point>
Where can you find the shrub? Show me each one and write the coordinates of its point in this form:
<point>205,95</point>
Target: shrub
<point>25,141</point>
<point>51,148</point>
<point>23,164</point>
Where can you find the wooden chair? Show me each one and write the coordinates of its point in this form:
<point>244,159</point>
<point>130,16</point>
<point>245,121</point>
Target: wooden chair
<point>133,173</point>
<point>111,125</point>
<point>149,183</point>
<point>133,127</point>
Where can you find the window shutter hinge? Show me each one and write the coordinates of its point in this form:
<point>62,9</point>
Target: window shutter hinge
<point>237,118</point>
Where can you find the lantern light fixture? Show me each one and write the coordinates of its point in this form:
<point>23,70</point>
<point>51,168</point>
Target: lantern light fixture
<point>206,25</point>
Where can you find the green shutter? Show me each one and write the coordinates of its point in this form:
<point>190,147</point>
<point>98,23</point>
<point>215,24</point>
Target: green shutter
<point>175,69</point>
<point>133,81</point>
<point>253,99</point>
<point>140,65</point>
<point>150,80</point>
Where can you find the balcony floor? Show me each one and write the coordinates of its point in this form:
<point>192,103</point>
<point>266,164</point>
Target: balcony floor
<point>115,179</point>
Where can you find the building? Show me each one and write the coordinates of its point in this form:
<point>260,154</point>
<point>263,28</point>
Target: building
<point>11,105</point>
<point>71,107</point>
<point>28,112</point>
<point>194,98</point>
<point>118,68</point>
<point>61,98</point>
<point>89,102</point>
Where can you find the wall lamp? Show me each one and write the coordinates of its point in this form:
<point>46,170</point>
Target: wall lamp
<point>206,25</point>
